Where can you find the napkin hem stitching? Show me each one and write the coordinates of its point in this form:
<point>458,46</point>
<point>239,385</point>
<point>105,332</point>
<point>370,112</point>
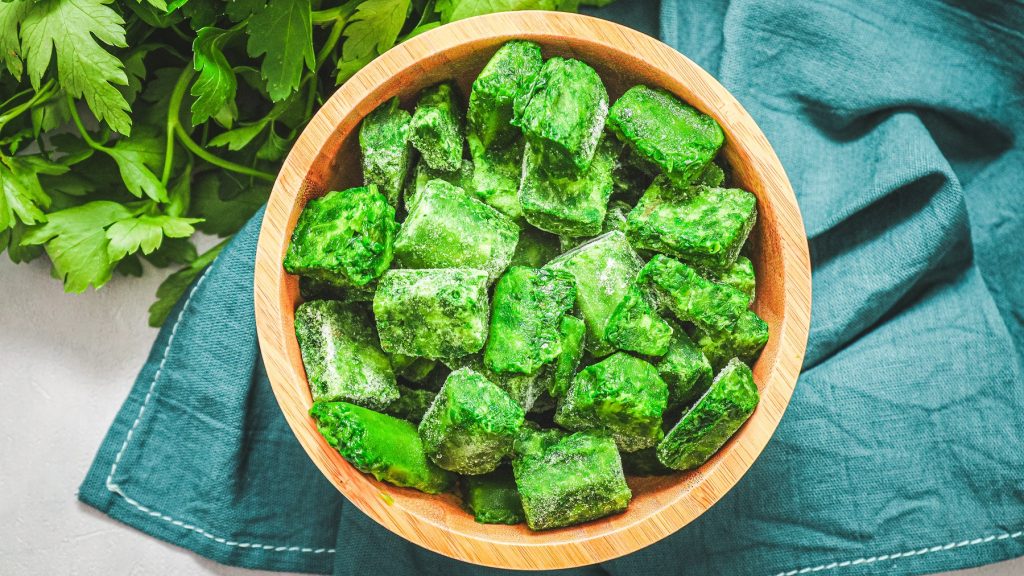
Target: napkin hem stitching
<point>885,557</point>
<point>116,489</point>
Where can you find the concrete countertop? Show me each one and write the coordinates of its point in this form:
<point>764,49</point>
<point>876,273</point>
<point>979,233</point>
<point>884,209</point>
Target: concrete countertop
<point>72,359</point>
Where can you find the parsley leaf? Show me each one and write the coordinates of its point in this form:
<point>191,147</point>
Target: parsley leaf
<point>282,32</point>
<point>70,28</point>
<point>216,85</point>
<point>374,28</point>
<point>76,241</point>
<point>145,232</point>
<point>136,159</point>
<point>11,13</point>
<point>451,10</point>
<point>21,196</point>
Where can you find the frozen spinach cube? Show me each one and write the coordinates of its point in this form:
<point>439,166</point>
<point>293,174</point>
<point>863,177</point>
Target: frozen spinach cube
<point>622,395</point>
<point>706,427</point>
<point>412,404</point>
<point>743,340</point>
<point>563,116</point>
<point>573,205</point>
<point>384,143</point>
<point>496,174</point>
<point>382,445</point>
<point>471,424</point>
<point>644,463</point>
<point>346,238</point>
<point>635,325</point>
<point>685,369</point>
<point>666,132</point>
<point>740,276</point>
<point>508,74</point>
<point>705,227</point>
<point>523,388</point>
<point>565,480</point>
<point>461,178</point>
<point>493,499</point>
<point>604,268</point>
<point>341,354</point>
<point>526,312</point>
<point>432,313</point>
<point>449,229</point>
<point>535,248</point>
<point>558,375</point>
<point>614,219</point>
<point>436,127</point>
<point>693,298</point>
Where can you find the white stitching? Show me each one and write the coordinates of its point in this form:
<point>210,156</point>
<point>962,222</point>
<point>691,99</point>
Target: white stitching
<point>884,557</point>
<point>116,489</point>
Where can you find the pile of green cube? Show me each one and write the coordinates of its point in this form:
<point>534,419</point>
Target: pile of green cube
<point>531,295</point>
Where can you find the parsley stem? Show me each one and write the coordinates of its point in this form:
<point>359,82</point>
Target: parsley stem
<point>173,114</point>
<point>43,94</point>
<point>81,127</point>
<point>198,150</point>
<point>329,15</point>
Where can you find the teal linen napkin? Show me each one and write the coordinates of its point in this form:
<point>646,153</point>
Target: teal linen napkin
<point>902,451</point>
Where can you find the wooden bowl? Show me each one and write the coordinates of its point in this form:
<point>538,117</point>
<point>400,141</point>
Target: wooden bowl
<point>326,157</point>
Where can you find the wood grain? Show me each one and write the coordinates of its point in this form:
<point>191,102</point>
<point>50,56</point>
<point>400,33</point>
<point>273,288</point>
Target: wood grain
<point>325,157</point>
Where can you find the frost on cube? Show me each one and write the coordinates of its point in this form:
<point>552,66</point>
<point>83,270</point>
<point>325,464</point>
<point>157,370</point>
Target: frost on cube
<point>558,375</point>
<point>636,326</point>
<point>471,424</point>
<point>496,174</point>
<point>382,445</point>
<point>665,132</point>
<point>573,205</point>
<point>341,354</point>
<point>621,395</point>
<point>740,276</point>
<point>693,298</point>
<point>506,77</point>
<point>706,427</point>
<point>492,498</point>
<point>704,227</point>
<point>449,229</point>
<point>604,268</point>
<point>685,370</point>
<point>525,389</point>
<point>743,340</point>
<point>412,404</point>
<point>345,238</point>
<point>563,115</point>
<point>384,143</point>
<point>461,178</point>
<point>526,313</point>
<point>436,127</point>
<point>432,313</point>
<point>568,479</point>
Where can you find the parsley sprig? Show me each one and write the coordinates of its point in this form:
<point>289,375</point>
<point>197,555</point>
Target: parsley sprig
<point>126,126</point>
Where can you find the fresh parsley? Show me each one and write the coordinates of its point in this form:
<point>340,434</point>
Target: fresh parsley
<point>128,125</point>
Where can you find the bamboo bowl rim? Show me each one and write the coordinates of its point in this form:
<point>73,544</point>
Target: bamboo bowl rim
<point>661,505</point>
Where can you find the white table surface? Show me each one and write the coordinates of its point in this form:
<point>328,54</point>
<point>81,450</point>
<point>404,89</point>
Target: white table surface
<point>66,364</point>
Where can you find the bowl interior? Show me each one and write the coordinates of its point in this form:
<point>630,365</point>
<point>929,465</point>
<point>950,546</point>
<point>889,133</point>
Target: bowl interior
<point>327,158</point>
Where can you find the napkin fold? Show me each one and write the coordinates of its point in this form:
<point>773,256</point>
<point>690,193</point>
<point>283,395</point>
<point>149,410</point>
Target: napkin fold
<point>902,451</point>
